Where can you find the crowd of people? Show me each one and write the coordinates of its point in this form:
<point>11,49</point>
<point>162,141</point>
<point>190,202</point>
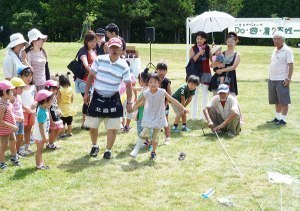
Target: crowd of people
<point>37,108</point>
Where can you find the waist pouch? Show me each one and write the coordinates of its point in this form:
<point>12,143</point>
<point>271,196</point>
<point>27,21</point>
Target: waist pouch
<point>107,107</point>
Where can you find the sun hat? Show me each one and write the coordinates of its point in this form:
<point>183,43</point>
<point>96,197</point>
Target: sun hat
<point>5,85</point>
<point>17,82</point>
<point>16,39</point>
<point>21,68</point>
<point>35,34</point>
<point>101,32</point>
<point>215,48</point>
<point>114,42</point>
<point>43,95</point>
<point>50,83</point>
<point>223,88</point>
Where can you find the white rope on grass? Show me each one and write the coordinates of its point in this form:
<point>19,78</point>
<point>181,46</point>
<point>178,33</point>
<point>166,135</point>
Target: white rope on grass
<point>240,173</point>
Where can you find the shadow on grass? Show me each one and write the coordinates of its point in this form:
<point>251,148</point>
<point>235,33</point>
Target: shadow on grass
<point>268,126</point>
<point>21,173</point>
<point>135,165</point>
<point>81,163</point>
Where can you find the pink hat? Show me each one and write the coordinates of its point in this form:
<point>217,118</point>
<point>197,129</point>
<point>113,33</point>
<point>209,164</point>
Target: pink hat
<point>5,85</point>
<point>51,83</point>
<point>43,95</point>
<point>114,42</point>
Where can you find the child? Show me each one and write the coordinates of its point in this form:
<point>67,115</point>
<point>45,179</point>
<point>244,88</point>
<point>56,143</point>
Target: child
<point>7,123</point>
<point>122,91</point>
<point>184,95</point>
<point>42,125</point>
<point>18,112</point>
<point>65,99</point>
<point>28,103</point>
<point>165,83</point>
<point>218,56</point>
<point>56,124</point>
<point>142,77</point>
<point>154,116</point>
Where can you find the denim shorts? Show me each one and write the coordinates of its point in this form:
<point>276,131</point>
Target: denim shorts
<point>80,86</point>
<point>20,131</point>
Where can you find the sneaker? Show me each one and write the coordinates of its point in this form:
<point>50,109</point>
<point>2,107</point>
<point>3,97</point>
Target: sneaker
<point>150,148</point>
<point>68,134</point>
<point>281,122</point>
<point>62,136</point>
<point>167,141</point>
<point>185,129</point>
<point>146,143</point>
<point>94,151</point>
<point>126,129</point>
<point>107,155</point>
<point>52,146</point>
<point>275,120</point>
<point>42,167</point>
<point>84,127</point>
<point>32,140</point>
<point>3,166</point>
<point>175,130</point>
<point>22,153</point>
<point>15,161</point>
<point>153,156</point>
<point>28,150</point>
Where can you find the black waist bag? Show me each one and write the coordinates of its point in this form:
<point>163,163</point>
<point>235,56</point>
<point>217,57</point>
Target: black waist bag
<point>105,107</point>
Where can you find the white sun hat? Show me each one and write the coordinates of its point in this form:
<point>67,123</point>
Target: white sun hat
<point>16,39</point>
<point>35,34</point>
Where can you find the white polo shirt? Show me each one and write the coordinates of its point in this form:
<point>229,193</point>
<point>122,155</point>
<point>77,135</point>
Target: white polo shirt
<point>279,69</point>
<point>231,105</point>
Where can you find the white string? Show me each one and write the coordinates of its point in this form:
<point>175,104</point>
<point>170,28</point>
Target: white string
<point>238,170</point>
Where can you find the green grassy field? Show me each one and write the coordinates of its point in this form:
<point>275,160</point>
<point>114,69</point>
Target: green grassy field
<point>76,181</point>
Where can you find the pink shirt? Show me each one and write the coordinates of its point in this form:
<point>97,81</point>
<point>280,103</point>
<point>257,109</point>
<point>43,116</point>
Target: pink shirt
<point>17,109</point>
<point>123,85</point>
<point>37,62</point>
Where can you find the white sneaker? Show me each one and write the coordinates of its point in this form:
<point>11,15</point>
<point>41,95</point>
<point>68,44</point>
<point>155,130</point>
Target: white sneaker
<point>167,141</point>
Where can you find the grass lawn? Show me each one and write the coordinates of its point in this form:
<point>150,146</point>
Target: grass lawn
<point>76,181</point>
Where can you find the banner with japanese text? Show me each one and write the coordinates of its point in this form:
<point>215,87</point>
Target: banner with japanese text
<point>266,27</point>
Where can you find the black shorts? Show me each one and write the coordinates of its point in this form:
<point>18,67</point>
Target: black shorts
<point>67,120</point>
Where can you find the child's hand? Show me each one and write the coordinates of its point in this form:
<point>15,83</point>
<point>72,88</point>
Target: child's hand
<point>14,128</point>
<point>27,110</point>
<point>33,106</point>
<point>185,111</point>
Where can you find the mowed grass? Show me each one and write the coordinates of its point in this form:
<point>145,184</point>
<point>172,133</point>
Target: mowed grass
<point>77,181</point>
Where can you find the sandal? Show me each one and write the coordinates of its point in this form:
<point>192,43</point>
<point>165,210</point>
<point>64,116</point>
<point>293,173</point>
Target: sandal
<point>182,156</point>
<point>42,167</point>
<point>53,146</point>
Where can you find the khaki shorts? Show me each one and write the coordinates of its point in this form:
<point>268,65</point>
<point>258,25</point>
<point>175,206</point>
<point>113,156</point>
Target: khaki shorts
<point>110,123</point>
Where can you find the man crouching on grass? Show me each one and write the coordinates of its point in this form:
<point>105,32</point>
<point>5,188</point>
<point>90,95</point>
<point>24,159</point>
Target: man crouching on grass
<point>222,112</point>
<point>107,71</point>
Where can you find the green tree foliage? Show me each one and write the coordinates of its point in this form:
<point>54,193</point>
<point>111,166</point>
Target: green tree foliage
<point>230,6</point>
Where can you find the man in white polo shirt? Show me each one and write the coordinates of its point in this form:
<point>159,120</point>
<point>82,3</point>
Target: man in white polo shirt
<point>222,112</point>
<point>107,72</point>
<point>280,74</point>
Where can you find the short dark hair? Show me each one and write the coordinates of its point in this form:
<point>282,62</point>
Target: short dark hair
<point>162,66</point>
<point>112,28</point>
<point>64,81</point>
<point>144,75</point>
<point>26,72</point>
<point>154,76</point>
<point>88,37</point>
<point>2,93</point>
<point>193,79</point>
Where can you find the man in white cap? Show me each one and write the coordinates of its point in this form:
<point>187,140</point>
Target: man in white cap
<point>12,60</point>
<point>222,112</point>
<point>107,72</point>
<point>280,76</point>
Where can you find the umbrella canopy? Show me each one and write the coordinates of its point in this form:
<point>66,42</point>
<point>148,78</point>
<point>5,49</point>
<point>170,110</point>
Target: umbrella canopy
<point>212,21</point>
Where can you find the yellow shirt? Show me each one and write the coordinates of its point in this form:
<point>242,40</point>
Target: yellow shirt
<point>65,104</point>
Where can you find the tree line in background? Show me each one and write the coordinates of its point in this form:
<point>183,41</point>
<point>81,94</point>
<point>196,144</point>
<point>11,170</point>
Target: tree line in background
<point>67,20</point>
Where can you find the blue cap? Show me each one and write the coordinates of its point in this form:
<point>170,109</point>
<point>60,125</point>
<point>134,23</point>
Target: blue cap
<point>21,68</point>
<point>223,88</point>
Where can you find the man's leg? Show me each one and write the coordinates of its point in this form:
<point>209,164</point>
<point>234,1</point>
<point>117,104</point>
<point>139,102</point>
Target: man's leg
<point>94,135</point>
<point>93,123</point>
<point>111,137</point>
<point>111,125</point>
<point>234,127</point>
<point>215,117</point>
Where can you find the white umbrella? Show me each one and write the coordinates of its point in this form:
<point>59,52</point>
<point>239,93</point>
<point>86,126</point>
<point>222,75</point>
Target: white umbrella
<point>212,21</point>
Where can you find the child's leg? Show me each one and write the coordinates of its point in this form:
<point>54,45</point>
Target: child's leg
<point>154,139</point>
<point>19,138</point>
<point>3,146</point>
<point>12,144</point>
<point>53,135</point>
<point>39,153</point>
<point>167,129</point>
<point>127,122</point>
<point>69,130</point>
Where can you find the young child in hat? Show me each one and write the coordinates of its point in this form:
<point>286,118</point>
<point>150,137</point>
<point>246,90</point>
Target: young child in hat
<point>42,125</point>
<point>56,124</point>
<point>18,111</point>
<point>218,56</point>
<point>7,123</point>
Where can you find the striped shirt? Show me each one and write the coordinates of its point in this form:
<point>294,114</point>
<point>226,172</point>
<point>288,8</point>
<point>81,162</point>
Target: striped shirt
<point>17,109</point>
<point>109,75</point>
<point>7,117</point>
<point>37,62</point>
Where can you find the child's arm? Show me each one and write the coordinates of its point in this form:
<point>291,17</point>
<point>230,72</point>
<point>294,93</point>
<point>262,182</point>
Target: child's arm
<point>138,103</point>
<point>58,97</point>
<point>72,98</point>
<point>188,101</point>
<point>137,88</point>
<point>134,92</point>
<point>176,103</point>
<point>4,123</point>
<point>42,131</point>
<point>169,92</point>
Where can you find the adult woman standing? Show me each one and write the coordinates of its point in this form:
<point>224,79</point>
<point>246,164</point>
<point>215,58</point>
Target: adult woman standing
<point>86,56</point>
<point>200,53</point>
<point>37,57</point>
<point>12,60</point>
<point>231,61</point>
